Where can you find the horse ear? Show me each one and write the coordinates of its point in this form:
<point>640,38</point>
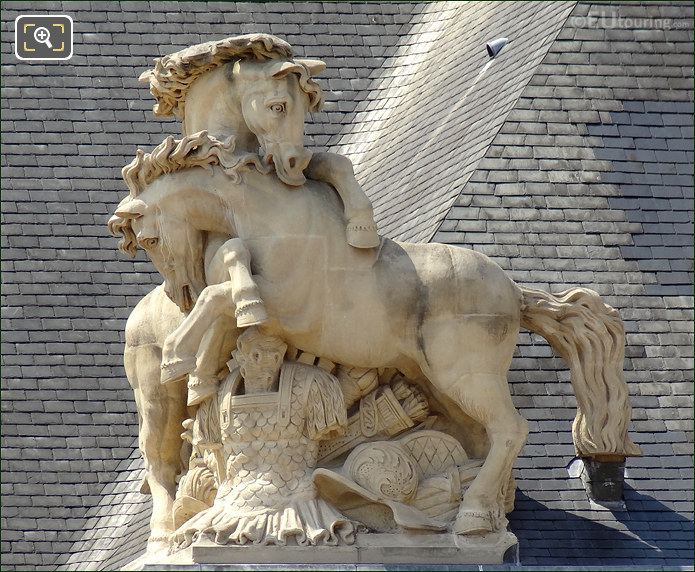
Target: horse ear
<point>133,208</point>
<point>278,70</point>
<point>315,67</point>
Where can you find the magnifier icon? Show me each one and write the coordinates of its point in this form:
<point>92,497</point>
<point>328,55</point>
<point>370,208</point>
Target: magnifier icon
<point>43,36</point>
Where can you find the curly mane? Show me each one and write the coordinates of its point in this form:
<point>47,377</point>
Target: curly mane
<point>173,74</point>
<point>170,156</point>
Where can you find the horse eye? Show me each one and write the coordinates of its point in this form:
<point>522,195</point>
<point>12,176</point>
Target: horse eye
<point>277,108</point>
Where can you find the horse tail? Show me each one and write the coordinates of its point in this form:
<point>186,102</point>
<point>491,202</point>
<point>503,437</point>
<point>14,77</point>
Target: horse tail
<point>590,336</point>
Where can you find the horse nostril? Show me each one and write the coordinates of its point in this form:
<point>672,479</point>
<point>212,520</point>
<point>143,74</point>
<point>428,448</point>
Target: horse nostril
<point>292,162</point>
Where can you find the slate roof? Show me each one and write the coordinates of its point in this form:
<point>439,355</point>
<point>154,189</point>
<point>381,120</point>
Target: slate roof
<point>438,102</point>
<point>573,166</point>
<point>589,181</point>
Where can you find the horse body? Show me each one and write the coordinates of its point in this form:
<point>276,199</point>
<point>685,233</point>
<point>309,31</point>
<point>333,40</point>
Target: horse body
<point>316,287</point>
<point>447,312</point>
<point>396,296</point>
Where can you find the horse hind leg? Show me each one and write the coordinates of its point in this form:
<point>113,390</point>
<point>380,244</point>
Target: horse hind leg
<point>467,359</point>
<point>486,398</point>
<point>162,409</point>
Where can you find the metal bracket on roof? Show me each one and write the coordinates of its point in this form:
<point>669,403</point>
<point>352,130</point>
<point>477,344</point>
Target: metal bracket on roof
<point>603,480</point>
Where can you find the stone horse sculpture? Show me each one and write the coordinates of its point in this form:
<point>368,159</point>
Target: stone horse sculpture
<point>445,314</point>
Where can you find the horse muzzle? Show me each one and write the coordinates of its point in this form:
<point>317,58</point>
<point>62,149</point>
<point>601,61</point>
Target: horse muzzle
<point>290,165</point>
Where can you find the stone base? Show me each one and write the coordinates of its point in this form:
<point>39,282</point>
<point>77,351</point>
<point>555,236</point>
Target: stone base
<point>424,549</point>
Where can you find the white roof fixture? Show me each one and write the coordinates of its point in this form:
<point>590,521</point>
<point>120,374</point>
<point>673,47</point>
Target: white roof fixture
<point>495,46</point>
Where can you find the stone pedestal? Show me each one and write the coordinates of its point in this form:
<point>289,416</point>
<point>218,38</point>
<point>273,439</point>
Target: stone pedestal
<point>419,549</point>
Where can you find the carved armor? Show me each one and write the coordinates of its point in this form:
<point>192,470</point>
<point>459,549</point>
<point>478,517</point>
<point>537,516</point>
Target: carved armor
<point>271,443</point>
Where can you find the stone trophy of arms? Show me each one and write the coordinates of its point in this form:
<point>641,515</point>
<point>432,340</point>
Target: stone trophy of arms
<point>301,380</point>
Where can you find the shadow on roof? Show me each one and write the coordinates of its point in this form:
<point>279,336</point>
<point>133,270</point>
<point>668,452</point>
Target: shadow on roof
<point>646,532</point>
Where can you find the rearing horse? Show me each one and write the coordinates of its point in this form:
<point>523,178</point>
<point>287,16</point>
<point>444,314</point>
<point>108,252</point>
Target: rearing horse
<point>448,314</point>
<point>444,313</point>
<point>202,85</point>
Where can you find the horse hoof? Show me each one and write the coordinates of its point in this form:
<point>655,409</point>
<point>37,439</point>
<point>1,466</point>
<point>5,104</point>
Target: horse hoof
<point>200,390</point>
<point>177,370</point>
<point>362,237</point>
<point>251,314</point>
<point>470,522</point>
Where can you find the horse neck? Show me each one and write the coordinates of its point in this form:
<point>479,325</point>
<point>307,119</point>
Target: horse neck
<point>213,104</point>
<point>203,201</point>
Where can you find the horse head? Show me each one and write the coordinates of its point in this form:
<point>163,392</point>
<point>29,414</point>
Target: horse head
<point>248,86</point>
<point>262,104</point>
<point>275,97</point>
<point>176,249</point>
<point>173,206</point>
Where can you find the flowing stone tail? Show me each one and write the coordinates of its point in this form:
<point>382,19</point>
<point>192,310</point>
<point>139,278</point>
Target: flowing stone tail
<point>590,336</point>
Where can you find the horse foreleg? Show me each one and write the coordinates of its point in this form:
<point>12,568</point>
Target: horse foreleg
<point>232,262</point>
<point>215,350</point>
<point>232,293</point>
<point>181,346</point>
<point>337,171</point>
<point>161,411</point>
<point>486,398</point>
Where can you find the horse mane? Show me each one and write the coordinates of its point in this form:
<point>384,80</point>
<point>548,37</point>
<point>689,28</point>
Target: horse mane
<point>170,156</point>
<point>173,74</point>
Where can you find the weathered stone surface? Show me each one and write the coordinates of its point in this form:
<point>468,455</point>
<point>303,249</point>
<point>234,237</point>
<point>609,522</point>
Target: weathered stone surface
<point>37,312</point>
<point>384,549</point>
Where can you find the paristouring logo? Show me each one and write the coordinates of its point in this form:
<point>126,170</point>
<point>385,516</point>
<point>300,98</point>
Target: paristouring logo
<point>43,37</point>
<point>610,20</point>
